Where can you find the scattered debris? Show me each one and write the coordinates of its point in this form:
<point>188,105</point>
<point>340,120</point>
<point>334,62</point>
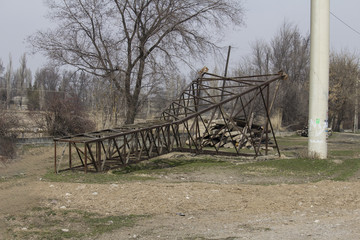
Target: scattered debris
<point>305,132</point>
<point>233,134</point>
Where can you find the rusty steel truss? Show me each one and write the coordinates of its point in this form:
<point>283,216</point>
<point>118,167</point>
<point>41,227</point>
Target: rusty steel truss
<point>213,115</point>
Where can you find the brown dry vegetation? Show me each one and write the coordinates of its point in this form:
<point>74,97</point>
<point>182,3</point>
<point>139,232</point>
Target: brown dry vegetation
<point>180,196</point>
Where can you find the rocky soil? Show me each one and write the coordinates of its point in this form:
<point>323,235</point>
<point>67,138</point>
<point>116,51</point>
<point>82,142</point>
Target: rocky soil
<point>203,207</point>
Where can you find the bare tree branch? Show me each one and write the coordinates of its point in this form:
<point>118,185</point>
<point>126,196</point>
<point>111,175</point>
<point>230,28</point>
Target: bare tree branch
<point>125,36</point>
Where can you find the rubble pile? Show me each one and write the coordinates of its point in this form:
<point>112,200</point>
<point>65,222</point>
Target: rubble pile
<point>231,134</point>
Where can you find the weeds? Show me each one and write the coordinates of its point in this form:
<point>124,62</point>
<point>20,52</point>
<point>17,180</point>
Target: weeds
<point>299,168</point>
<point>46,223</point>
<point>173,165</point>
<point>313,169</point>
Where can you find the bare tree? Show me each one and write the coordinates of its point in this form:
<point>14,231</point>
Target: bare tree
<point>2,83</point>
<point>9,79</point>
<point>66,115</point>
<point>128,41</point>
<point>289,51</point>
<point>8,122</point>
<point>22,79</point>
<point>47,83</point>
<point>2,68</point>
<point>344,71</point>
<point>261,54</point>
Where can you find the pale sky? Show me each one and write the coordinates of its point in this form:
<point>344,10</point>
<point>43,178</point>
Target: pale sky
<point>263,18</point>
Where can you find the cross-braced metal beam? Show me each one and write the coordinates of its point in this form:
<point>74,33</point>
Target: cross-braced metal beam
<point>214,114</point>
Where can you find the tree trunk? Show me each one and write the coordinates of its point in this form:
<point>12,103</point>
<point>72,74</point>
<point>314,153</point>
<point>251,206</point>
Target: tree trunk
<point>133,100</point>
<point>131,113</point>
<point>338,124</point>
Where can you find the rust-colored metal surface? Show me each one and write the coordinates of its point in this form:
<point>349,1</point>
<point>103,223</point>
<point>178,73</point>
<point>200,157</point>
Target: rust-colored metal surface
<point>214,114</point>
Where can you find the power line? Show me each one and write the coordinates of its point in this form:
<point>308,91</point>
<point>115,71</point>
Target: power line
<point>353,29</point>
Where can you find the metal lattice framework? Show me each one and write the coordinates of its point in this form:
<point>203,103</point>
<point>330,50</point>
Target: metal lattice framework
<point>209,111</point>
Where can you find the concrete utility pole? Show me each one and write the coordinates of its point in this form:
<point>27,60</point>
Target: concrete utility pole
<point>319,78</point>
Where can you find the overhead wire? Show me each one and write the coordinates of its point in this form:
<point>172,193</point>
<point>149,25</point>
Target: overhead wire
<point>343,22</point>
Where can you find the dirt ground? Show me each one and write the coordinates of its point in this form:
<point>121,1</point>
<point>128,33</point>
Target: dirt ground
<point>190,207</point>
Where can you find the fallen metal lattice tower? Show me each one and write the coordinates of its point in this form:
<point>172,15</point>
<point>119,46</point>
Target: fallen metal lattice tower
<point>214,114</point>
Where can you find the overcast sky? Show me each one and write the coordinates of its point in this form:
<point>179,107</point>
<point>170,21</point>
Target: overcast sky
<point>263,18</point>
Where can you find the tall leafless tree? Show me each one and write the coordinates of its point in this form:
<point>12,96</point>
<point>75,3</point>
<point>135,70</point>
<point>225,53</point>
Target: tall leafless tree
<point>344,72</point>
<point>127,41</point>
<point>261,54</point>
<point>2,83</point>
<point>9,79</point>
<point>22,79</point>
<point>289,51</point>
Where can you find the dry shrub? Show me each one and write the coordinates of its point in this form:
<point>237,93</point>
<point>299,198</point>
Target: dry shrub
<point>66,116</point>
<point>7,148</point>
<point>7,144</point>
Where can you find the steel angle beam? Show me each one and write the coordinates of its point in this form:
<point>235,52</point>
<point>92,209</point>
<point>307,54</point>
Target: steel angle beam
<point>214,114</point>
